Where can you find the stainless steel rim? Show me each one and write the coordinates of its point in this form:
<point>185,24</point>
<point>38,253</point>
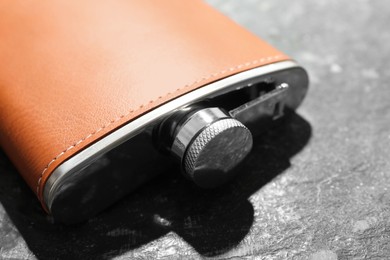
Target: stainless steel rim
<point>82,159</point>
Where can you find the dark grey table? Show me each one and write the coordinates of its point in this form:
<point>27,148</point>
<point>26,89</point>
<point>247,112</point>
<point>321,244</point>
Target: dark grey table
<point>316,187</point>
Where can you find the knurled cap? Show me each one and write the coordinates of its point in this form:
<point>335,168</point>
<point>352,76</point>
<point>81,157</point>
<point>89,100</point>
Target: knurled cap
<point>215,151</point>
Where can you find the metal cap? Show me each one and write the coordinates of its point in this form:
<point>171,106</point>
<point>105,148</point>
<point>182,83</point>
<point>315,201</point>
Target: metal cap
<point>210,144</point>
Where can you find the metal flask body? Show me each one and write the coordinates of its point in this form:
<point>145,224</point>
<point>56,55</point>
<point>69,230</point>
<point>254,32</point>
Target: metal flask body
<point>204,134</point>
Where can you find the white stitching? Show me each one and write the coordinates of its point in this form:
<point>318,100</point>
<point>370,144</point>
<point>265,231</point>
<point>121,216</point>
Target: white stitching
<point>152,101</point>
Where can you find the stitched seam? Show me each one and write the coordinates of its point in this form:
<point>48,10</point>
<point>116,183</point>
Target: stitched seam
<point>150,102</point>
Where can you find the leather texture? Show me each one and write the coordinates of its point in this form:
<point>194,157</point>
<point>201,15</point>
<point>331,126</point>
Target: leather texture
<point>73,71</point>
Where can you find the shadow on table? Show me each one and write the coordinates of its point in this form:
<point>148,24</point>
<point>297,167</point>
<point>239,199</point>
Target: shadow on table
<point>211,221</point>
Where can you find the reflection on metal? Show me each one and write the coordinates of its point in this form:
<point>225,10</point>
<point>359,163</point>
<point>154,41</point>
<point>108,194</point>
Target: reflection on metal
<point>191,128</point>
<point>161,221</point>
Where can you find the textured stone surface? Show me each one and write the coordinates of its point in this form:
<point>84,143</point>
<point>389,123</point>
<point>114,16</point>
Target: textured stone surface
<point>316,187</point>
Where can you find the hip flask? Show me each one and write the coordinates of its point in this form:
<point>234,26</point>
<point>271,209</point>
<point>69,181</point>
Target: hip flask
<point>96,98</point>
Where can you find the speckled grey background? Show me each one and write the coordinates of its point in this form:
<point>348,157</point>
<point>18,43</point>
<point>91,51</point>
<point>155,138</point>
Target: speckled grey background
<point>317,187</point>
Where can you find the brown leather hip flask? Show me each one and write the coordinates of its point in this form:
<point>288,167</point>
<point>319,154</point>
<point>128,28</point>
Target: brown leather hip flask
<point>98,97</point>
